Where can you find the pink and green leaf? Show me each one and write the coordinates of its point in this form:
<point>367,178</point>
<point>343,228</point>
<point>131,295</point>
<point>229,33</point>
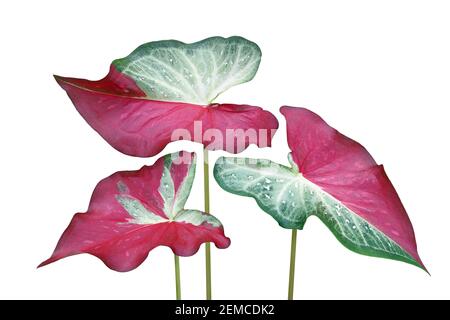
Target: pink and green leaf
<point>167,85</point>
<point>193,73</point>
<point>332,177</point>
<point>133,212</point>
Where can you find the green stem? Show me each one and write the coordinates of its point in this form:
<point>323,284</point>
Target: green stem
<point>292,265</point>
<point>177,277</point>
<point>208,245</point>
<point>208,270</point>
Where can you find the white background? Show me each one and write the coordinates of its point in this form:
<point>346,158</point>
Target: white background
<point>378,71</point>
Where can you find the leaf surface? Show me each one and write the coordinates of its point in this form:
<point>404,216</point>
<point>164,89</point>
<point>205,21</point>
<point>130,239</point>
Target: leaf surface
<point>163,92</point>
<point>332,177</point>
<point>196,73</point>
<point>133,212</point>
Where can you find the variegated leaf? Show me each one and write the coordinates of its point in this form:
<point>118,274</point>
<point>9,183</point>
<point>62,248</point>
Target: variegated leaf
<point>332,177</point>
<point>163,92</point>
<point>132,212</point>
<point>196,73</point>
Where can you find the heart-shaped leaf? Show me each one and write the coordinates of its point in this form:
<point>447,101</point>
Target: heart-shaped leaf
<point>132,212</point>
<point>332,177</point>
<point>163,92</point>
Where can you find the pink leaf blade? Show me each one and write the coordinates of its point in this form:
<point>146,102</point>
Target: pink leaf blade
<point>182,238</point>
<point>132,125</point>
<point>138,126</point>
<point>344,169</point>
<point>240,126</point>
<point>128,217</point>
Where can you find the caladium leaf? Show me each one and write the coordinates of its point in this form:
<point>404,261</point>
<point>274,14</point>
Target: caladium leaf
<point>168,85</point>
<point>332,177</point>
<point>132,212</point>
<point>195,73</point>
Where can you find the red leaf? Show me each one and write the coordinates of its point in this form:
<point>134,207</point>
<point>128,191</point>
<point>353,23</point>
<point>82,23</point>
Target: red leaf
<point>346,170</point>
<point>132,212</point>
<point>134,124</point>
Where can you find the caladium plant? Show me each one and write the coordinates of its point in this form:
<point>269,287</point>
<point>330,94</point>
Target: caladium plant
<point>164,91</point>
<point>133,212</point>
<point>331,177</point>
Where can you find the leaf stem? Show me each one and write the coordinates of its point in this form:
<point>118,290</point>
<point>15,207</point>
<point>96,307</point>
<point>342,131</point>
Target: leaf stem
<point>177,277</point>
<point>208,270</point>
<point>208,245</point>
<point>292,265</point>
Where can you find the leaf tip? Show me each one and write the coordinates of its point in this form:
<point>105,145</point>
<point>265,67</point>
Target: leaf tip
<point>43,264</point>
<point>57,78</point>
<point>421,265</point>
<point>60,80</point>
